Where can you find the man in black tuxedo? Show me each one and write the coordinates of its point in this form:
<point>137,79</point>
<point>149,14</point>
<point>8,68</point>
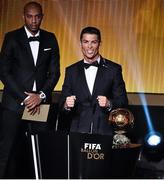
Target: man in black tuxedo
<point>92,88</point>
<point>29,70</point>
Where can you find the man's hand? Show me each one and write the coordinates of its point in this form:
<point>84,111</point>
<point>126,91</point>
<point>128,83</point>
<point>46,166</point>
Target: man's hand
<point>34,110</point>
<point>70,102</point>
<point>32,102</point>
<point>103,101</point>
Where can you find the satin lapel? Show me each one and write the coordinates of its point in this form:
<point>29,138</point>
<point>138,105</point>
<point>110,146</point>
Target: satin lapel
<point>41,47</point>
<point>24,41</point>
<point>82,80</point>
<point>98,81</point>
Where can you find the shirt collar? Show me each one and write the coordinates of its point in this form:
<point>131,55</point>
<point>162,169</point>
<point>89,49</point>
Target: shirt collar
<point>31,35</point>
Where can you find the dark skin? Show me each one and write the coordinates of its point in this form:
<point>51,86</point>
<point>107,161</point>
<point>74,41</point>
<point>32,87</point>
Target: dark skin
<point>32,18</point>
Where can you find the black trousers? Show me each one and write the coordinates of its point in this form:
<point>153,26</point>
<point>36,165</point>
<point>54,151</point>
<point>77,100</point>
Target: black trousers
<point>9,127</point>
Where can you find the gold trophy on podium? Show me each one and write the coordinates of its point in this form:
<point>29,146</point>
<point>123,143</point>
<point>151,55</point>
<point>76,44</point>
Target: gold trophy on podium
<point>121,119</point>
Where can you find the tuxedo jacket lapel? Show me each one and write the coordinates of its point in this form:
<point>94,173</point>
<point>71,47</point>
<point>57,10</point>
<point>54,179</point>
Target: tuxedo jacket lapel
<point>41,48</point>
<point>82,81</point>
<point>24,41</point>
<point>97,84</point>
<point>99,80</point>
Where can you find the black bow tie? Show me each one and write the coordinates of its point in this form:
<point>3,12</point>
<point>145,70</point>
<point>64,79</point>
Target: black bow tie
<point>34,38</point>
<point>87,65</point>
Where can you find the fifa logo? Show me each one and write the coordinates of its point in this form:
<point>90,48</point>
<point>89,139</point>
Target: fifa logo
<point>92,151</point>
<point>92,146</point>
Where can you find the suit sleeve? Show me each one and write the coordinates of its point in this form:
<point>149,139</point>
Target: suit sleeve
<point>53,73</point>
<point>6,63</point>
<point>119,95</point>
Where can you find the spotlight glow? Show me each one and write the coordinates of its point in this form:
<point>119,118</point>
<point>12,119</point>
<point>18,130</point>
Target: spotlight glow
<point>154,140</point>
<point>148,119</point>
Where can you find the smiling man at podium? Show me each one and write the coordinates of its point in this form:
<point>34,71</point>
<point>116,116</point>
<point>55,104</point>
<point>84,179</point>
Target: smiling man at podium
<point>92,87</point>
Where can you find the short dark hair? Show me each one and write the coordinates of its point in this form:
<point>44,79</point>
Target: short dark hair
<point>33,4</point>
<point>90,30</point>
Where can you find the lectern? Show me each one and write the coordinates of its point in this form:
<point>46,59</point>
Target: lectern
<point>85,156</point>
<point>90,156</point>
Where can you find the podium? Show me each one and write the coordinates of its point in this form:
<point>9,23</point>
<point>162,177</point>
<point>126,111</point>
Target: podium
<point>84,156</point>
<point>90,156</point>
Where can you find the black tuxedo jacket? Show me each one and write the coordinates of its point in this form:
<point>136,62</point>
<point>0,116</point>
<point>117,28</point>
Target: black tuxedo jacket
<point>87,115</point>
<point>17,69</point>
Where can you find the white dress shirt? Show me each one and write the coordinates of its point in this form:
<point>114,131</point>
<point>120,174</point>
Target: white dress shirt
<point>34,45</point>
<point>90,74</point>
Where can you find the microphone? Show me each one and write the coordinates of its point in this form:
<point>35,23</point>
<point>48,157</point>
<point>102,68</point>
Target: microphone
<point>91,128</point>
<point>93,111</point>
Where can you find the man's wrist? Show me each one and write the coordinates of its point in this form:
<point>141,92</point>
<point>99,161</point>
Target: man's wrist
<point>66,107</point>
<point>42,95</point>
<point>109,106</point>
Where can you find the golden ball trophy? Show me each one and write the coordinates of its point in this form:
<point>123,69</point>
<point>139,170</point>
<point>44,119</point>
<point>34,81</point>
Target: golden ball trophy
<point>121,119</point>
